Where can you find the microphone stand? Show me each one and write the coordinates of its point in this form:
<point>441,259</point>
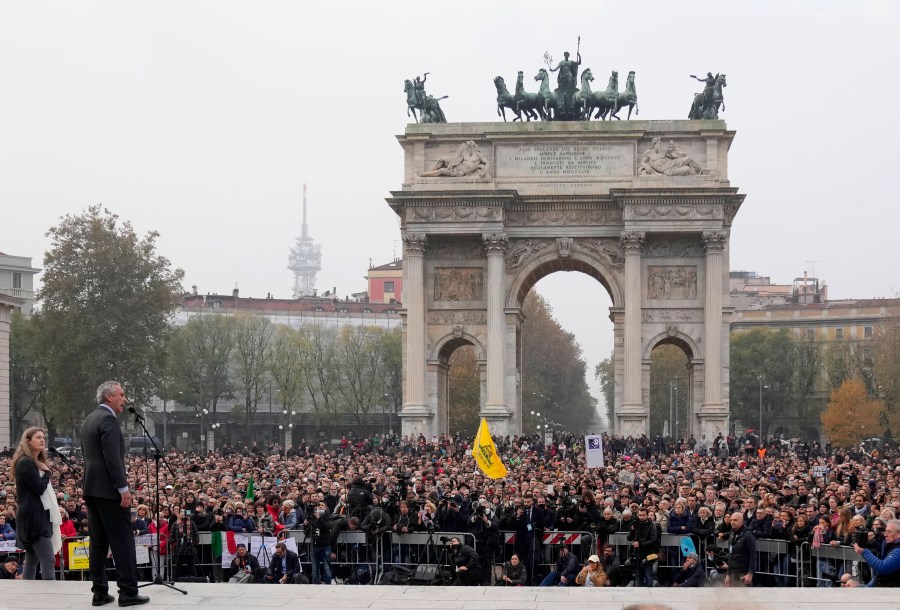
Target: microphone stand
<point>157,458</point>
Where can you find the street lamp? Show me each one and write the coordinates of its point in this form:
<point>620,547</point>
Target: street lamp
<point>760,378</point>
<point>673,407</point>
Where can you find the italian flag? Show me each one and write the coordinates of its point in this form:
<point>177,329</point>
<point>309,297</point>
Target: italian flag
<point>231,545</point>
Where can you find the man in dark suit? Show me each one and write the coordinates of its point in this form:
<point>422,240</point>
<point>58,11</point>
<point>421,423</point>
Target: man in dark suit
<point>285,565</point>
<point>529,528</point>
<point>108,498</point>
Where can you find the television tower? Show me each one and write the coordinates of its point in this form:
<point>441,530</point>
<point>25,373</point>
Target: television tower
<point>305,260</point>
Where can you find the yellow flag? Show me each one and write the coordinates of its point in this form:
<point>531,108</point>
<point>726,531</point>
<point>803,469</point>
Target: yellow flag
<point>485,453</point>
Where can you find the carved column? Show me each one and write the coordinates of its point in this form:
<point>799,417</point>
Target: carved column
<point>714,241</point>
<point>495,247</point>
<point>632,243</point>
<point>414,296</point>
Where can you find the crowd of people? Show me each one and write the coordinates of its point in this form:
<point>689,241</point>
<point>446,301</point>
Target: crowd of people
<point>727,493</point>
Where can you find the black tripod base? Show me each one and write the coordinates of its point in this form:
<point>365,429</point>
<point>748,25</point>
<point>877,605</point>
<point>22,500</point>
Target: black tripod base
<point>158,580</point>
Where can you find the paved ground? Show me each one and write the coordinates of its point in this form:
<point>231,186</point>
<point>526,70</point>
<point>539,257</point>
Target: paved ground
<point>37,595</point>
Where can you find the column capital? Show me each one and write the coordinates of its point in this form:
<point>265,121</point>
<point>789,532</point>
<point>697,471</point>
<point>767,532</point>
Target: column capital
<point>415,244</point>
<point>632,241</point>
<point>714,241</point>
<point>494,243</point>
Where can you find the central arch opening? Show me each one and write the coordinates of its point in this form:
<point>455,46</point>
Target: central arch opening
<point>565,334</point>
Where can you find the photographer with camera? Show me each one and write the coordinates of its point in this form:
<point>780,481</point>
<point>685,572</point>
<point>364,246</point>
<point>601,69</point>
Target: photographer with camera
<point>359,498</point>
<point>644,539</point>
<point>485,527</point>
<point>320,534</point>
<point>467,565</point>
<point>185,539</point>
<point>450,516</point>
<point>378,523</point>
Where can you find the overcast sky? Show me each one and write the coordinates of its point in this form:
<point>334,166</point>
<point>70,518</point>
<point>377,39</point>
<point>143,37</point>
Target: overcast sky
<point>202,120</point>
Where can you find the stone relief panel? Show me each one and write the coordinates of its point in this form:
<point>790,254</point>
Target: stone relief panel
<point>672,282</point>
<point>654,211</point>
<point>674,246</point>
<point>458,284</point>
<point>456,247</point>
<point>453,214</point>
<point>468,316</point>
<point>555,218</point>
<point>672,315</point>
<point>466,161</point>
<point>520,250</point>
<point>668,160</point>
<point>607,249</point>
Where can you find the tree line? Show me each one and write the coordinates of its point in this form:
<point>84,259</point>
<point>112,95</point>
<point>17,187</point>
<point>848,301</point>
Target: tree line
<point>105,311</point>
<point>808,378</point>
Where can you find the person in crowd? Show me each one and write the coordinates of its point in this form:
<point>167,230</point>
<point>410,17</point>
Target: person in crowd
<point>644,540</point>
<point>66,526</point>
<point>592,574</point>
<point>10,570</point>
<point>244,566</point>
<point>288,515</point>
<point>30,467</point>
<point>886,564</point>
<point>566,570</point>
<point>513,574</point>
<point>320,532</point>
<point>466,564</point>
<point>185,540</point>
<point>6,530</point>
<point>284,566</point>
<point>741,562</point>
<point>265,523</point>
<point>239,521</point>
<point>691,572</point>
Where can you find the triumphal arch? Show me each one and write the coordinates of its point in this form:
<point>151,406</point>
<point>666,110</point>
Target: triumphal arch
<point>488,209</point>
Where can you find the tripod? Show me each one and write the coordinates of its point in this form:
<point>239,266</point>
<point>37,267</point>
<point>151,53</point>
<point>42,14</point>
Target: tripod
<point>442,558</point>
<point>157,457</point>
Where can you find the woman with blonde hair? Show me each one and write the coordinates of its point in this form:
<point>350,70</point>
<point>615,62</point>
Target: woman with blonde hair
<point>38,518</point>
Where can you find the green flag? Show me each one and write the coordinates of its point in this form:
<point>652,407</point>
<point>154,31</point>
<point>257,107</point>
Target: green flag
<point>251,495</point>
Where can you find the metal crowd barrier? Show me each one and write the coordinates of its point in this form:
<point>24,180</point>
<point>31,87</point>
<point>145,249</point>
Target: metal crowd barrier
<point>774,562</point>
<point>418,548</point>
<point>830,560</point>
<point>354,555</point>
<point>581,544</point>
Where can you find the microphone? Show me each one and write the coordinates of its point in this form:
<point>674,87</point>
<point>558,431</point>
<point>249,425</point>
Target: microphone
<point>136,412</point>
<point>65,460</point>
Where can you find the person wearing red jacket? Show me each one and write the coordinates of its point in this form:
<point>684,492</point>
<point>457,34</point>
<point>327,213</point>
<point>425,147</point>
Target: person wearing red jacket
<point>155,553</point>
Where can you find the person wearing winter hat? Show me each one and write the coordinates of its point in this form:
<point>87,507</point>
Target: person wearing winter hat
<point>691,574</point>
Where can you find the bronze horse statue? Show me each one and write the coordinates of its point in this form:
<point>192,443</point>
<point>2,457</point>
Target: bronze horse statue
<point>628,98</point>
<point>605,102</point>
<point>412,99</point>
<point>701,110</point>
<point>545,97</point>
<point>506,100</point>
<point>527,102</point>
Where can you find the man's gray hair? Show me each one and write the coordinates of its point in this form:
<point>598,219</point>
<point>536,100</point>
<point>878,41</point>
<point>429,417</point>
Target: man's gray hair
<point>895,523</point>
<point>106,388</point>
